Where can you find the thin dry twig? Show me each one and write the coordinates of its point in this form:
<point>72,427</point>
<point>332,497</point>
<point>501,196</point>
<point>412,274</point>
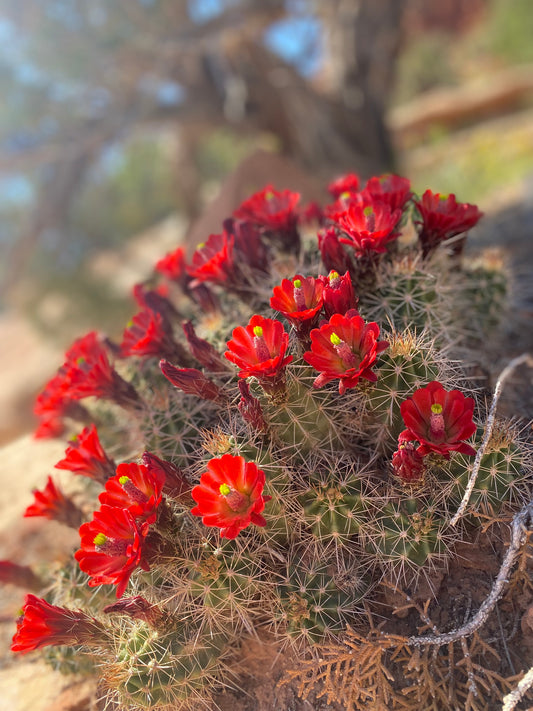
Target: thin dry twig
<point>519,526</point>
<point>506,372</point>
<point>512,699</point>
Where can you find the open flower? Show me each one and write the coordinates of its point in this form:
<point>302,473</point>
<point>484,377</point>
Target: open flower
<point>112,547</point>
<point>439,420</point>
<point>275,211</point>
<point>442,217</point>
<point>136,488</point>
<point>86,456</point>
<point>259,348</point>
<point>368,227</point>
<point>230,495</point>
<point>52,503</point>
<point>345,185</point>
<point>148,334</point>
<point>390,189</point>
<point>213,260</point>
<point>54,404</point>
<point>298,299</point>
<point>345,348</point>
<point>172,265</point>
<point>42,624</point>
<point>88,372</point>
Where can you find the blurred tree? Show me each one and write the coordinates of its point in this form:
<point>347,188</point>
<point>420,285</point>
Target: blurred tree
<point>79,77</point>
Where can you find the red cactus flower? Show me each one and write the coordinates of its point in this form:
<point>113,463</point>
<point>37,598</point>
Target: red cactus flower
<point>344,348</point>
<point>338,294</point>
<point>112,547</point>
<point>331,250</point>
<point>390,189</point>
<point>275,210</point>
<point>213,260</point>
<point>442,217</point>
<point>172,265</point>
<point>191,381</point>
<point>368,226</point>
<point>408,464</point>
<point>345,185</point>
<point>298,299</point>
<point>42,624</point>
<point>136,488</point>
<point>54,404</point>
<point>230,495</point>
<point>259,348</point>
<point>89,373</point>
<point>52,503</point>
<point>148,334</point>
<point>439,419</point>
<point>86,456</point>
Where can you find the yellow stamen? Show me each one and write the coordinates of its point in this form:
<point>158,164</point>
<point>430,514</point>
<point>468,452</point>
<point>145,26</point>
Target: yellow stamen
<point>224,489</point>
<point>258,331</point>
<point>336,341</point>
<point>123,480</point>
<point>99,539</point>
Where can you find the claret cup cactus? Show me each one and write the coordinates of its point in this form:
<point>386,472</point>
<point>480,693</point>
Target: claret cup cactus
<point>284,425</point>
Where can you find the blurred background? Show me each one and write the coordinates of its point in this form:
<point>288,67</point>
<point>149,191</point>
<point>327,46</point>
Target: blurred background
<point>122,121</point>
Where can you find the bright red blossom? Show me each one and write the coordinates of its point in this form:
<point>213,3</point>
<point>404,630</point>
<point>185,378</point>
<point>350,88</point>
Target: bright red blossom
<point>439,420</point>
<point>390,189</point>
<point>148,334</point>
<point>442,217</point>
<point>112,547</point>
<point>273,209</point>
<point>345,185</point>
<point>136,488</point>
<point>52,503</point>
<point>259,348</point>
<point>230,495</point>
<point>42,624</point>
<point>86,456</point>
<point>298,299</point>
<point>172,265</point>
<point>213,261</point>
<point>338,294</point>
<point>408,464</point>
<point>331,250</point>
<point>344,348</point>
<point>368,226</point>
<point>88,372</point>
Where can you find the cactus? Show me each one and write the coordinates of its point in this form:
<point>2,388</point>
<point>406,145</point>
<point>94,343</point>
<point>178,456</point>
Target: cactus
<point>255,485</point>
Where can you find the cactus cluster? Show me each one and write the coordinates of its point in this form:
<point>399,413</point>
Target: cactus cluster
<point>254,407</point>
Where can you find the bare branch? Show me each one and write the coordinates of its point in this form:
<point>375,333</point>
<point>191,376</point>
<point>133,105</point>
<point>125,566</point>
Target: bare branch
<point>511,700</point>
<point>506,372</point>
<point>521,521</point>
